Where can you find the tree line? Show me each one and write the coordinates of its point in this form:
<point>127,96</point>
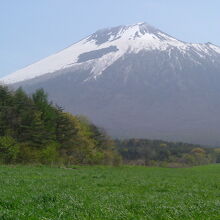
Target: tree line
<point>33,130</point>
<point>163,153</point>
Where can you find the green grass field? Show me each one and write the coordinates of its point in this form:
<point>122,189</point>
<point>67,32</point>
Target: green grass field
<point>42,193</point>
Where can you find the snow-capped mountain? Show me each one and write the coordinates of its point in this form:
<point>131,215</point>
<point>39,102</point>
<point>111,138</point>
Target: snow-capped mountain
<point>103,48</point>
<point>135,81</point>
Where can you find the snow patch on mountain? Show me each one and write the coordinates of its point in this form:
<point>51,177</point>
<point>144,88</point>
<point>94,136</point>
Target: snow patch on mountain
<point>215,48</point>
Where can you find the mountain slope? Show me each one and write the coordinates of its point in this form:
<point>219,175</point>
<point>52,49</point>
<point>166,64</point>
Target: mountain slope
<point>135,81</point>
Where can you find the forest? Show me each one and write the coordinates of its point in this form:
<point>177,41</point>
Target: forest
<point>35,131</point>
<point>166,154</point>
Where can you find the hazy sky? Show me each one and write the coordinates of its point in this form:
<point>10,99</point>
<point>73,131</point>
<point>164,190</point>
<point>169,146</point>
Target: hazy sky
<point>33,29</point>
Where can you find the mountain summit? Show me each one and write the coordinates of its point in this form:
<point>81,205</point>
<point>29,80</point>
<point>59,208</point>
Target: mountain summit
<point>135,81</point>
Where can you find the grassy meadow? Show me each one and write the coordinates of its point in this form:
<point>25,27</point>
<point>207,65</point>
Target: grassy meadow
<point>131,193</point>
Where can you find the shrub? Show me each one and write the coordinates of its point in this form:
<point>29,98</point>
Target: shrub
<point>49,155</point>
<point>8,149</point>
<point>27,154</point>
